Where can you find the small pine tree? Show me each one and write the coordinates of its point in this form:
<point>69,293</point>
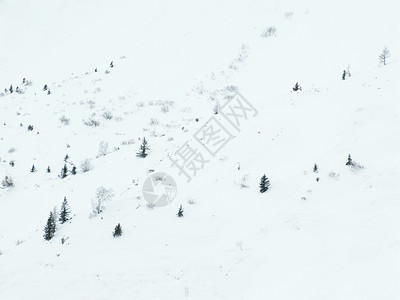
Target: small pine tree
<point>11,89</point>
<point>66,158</point>
<point>264,184</point>
<point>33,169</point>
<point>112,64</point>
<point>143,148</point>
<point>117,231</point>
<point>64,212</point>
<point>64,172</point>
<point>315,169</point>
<point>48,92</point>
<point>45,87</point>
<point>50,228</point>
<point>95,70</point>
<point>344,75</point>
<point>30,127</point>
<point>349,161</point>
<point>180,212</point>
<point>73,171</point>
<point>297,87</point>
<point>384,55</point>
<point>48,169</point>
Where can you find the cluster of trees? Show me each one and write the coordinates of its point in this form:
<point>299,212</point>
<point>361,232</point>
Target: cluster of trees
<point>51,224</point>
<point>385,54</point>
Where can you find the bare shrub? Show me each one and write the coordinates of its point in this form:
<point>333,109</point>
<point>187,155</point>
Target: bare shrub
<point>333,175</point>
<point>103,149</point>
<point>150,205</point>
<point>103,195</point>
<point>12,150</point>
<point>128,142</point>
<point>270,31</point>
<point>165,108</point>
<point>86,165</point>
<point>64,120</point>
<point>288,15</point>
<point>7,182</point>
<point>91,103</point>
<point>244,183</point>
<point>91,122</point>
<point>107,115</point>
<point>154,122</point>
<point>191,201</point>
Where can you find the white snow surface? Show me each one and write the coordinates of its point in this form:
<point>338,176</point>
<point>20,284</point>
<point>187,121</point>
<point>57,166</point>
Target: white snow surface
<point>336,238</point>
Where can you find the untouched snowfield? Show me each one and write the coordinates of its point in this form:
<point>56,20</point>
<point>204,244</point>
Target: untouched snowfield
<point>335,238</point>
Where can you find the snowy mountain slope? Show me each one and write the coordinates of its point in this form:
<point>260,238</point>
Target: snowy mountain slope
<point>336,238</point>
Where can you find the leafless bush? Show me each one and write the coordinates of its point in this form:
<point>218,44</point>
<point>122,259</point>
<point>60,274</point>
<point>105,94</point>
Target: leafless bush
<point>165,108</point>
<point>356,166</point>
<point>103,195</point>
<point>270,31</point>
<point>12,150</point>
<point>140,104</point>
<point>128,142</point>
<point>154,122</point>
<point>150,205</point>
<point>19,242</point>
<point>244,184</point>
<point>333,175</point>
<point>64,120</point>
<point>107,115</point>
<point>288,15</point>
<point>103,149</point>
<point>91,103</point>
<point>191,201</point>
<point>91,122</point>
<point>7,182</point>
<point>86,165</point>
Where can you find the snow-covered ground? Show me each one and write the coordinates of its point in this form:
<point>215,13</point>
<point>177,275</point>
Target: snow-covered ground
<point>173,61</point>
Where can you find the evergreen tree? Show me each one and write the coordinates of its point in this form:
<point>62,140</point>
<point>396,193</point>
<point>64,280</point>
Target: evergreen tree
<point>64,212</point>
<point>48,169</point>
<point>143,148</point>
<point>33,169</point>
<point>297,87</point>
<point>349,161</point>
<point>45,87</point>
<point>64,172</point>
<point>73,171</point>
<point>344,75</point>
<point>180,212</point>
<point>112,64</point>
<point>95,70</point>
<point>66,158</point>
<point>117,231</point>
<point>264,184</point>
<point>11,89</point>
<point>50,228</point>
<point>315,169</point>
